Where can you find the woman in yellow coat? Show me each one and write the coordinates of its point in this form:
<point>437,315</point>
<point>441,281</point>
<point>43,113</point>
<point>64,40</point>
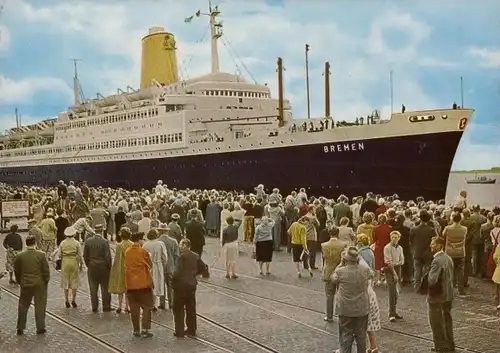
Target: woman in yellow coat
<point>496,275</point>
<point>367,227</point>
<point>70,254</point>
<point>117,275</point>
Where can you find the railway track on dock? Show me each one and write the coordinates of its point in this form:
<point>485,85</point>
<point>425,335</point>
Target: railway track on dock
<point>221,288</point>
<point>61,320</point>
<point>259,346</point>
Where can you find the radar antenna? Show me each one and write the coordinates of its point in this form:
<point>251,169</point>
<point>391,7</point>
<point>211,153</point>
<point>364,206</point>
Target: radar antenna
<point>215,32</point>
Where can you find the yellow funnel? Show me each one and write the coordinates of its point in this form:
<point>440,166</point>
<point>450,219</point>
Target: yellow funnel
<point>159,59</point>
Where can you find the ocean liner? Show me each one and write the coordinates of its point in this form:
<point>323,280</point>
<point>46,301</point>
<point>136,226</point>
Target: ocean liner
<point>221,131</point>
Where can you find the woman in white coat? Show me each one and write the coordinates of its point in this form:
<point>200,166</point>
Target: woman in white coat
<point>224,215</point>
<point>158,254</point>
<point>238,214</point>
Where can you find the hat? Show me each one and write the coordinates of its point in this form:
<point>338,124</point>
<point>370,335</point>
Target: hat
<point>175,216</point>
<point>49,214</point>
<point>98,227</point>
<point>350,254</point>
<point>31,221</point>
<point>163,227</point>
<point>70,232</point>
<point>128,215</point>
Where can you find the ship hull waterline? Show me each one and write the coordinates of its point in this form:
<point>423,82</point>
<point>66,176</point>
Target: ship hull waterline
<point>411,166</point>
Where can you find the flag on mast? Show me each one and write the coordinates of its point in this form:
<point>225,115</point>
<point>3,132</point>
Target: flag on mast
<point>190,18</point>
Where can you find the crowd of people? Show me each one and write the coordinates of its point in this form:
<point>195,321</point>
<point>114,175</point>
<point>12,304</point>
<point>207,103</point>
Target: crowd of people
<point>158,237</point>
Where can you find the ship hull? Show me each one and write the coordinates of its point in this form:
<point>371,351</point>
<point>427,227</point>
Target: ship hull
<point>411,166</point>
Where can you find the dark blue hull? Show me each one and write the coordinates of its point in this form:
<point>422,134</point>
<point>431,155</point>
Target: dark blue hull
<point>411,166</point>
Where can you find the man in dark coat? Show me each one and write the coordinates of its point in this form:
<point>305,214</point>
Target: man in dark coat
<point>97,257</point>
<point>476,240</point>
<point>369,205</point>
<point>341,210</point>
<point>130,224</point>
<point>420,241</point>
<point>184,284</point>
<point>32,272</point>
<point>195,232</point>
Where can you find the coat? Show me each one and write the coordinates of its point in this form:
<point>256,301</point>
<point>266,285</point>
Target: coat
<point>97,254</point>
<point>70,253</point>
<point>175,231</point>
<point>120,219</point>
<point>381,238</point>
<point>117,284</point>
<point>137,268</point>
<point>189,265</point>
<point>213,216</point>
<point>496,260</point>
<point>158,254</point>
<point>31,268</point>
<point>99,216</point>
<point>112,210</point>
<point>172,253</point>
<point>352,281</point>
<point>195,232</point>
<point>368,229</point>
<point>420,239</point>
<point>61,223</point>
<point>341,210</point>
<point>49,229</point>
<point>454,236</point>
<point>441,276</point>
<point>332,255</point>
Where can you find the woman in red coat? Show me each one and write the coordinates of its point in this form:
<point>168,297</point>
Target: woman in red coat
<point>381,237</point>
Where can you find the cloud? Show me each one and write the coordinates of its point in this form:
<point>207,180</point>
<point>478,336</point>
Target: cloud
<point>4,39</point>
<point>437,63</point>
<point>489,58</point>
<point>24,90</point>
<point>396,36</point>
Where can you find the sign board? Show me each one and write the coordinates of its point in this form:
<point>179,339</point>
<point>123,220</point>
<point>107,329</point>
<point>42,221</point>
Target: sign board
<point>21,223</point>
<point>15,209</point>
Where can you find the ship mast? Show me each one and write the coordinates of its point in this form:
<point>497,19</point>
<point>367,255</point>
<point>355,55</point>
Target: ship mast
<point>327,89</point>
<point>281,109</point>
<point>76,84</point>
<point>215,33</point>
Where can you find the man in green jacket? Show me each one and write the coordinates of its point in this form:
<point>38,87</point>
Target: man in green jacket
<point>32,272</point>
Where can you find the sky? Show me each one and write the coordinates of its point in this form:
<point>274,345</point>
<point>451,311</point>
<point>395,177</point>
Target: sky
<point>428,45</point>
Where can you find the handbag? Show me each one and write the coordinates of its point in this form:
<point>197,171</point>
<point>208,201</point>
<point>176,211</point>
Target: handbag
<point>58,265</point>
